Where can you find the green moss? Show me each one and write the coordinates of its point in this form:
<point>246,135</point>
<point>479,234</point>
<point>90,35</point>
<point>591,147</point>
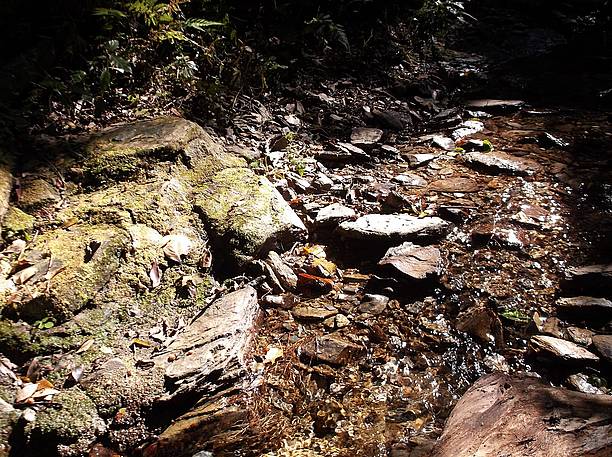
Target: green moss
<point>17,223</point>
<point>72,415</point>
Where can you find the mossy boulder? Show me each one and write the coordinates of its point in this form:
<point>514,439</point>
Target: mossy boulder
<point>123,152</point>
<point>38,193</point>
<point>67,427</point>
<point>247,216</point>
<point>17,223</point>
<point>6,185</point>
<point>76,264</point>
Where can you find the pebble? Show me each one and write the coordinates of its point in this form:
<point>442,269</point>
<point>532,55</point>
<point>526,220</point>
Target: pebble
<point>373,304</point>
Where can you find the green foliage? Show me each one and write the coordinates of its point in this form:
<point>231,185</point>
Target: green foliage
<point>45,323</point>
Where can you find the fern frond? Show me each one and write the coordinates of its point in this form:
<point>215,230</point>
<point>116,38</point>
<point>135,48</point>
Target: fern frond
<point>201,24</point>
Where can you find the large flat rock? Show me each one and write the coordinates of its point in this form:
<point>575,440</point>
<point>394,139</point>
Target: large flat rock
<point>594,280</point>
<point>518,416</point>
<point>500,162</point>
<point>398,227</point>
<point>212,349</point>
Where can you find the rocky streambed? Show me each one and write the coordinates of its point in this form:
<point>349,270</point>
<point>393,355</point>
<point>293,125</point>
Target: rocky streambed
<point>166,292</point>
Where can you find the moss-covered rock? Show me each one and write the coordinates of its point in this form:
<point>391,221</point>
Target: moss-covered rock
<point>17,223</point>
<point>126,151</point>
<point>247,215</point>
<point>37,193</point>
<point>6,185</point>
<point>67,427</point>
<point>85,256</point>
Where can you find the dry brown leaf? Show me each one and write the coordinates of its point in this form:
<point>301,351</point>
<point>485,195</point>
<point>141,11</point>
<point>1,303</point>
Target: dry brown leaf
<point>85,346</point>
<point>141,343</point>
<point>22,276</point>
<point>176,246</point>
<point>26,391</point>
<point>155,274</point>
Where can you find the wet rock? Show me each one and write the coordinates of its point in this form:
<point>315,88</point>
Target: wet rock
<point>443,142</point>
<point>210,352</point>
<point>334,214</point>
<point>77,264</point>
<point>562,349</point>
<point>467,128</point>
<point>581,383</point>
<point>331,349</point>
<point>548,326</point>
<point>410,180</point>
<point>482,323</point>
<point>366,137</point>
<point>580,335</point>
<point>288,279</point>
<point>603,346</point>
<point>532,216</point>
<point>373,304</point>
<point>599,308</point>
<point>6,186</point>
<point>506,237</point>
<point>500,162</point>
<point>67,427</point>
<point>401,227</point>
<point>246,212</point>
<point>550,141</point>
<point>313,312</point>
<point>495,106</point>
<point>418,160</point>
<point>38,193</point>
<point>589,279</point>
<point>521,415</point>
<point>413,260</point>
<point>463,185</point>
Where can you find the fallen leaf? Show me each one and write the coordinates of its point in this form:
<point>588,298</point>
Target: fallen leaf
<point>85,346</point>
<point>326,267</point>
<point>273,354</point>
<point>22,276</point>
<point>155,275</point>
<point>44,384</point>
<point>42,393</point>
<point>26,391</point>
<point>175,246</point>
<point>314,249</point>
<point>70,222</point>
<point>77,373</point>
<point>141,343</point>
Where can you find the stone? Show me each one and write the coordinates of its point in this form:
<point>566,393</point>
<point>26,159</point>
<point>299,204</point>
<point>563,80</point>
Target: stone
<point>68,427</point>
<point>313,313</point>
<point>500,162</point>
<point>81,261</point>
<point>597,308</point>
<point>443,142</point>
<point>580,335</point>
<point>373,304</point>
<point>334,214</point>
<point>581,383</point>
<point>510,238</point>
<point>503,415</point>
<point>122,152</point>
<point>467,128</point>
<point>410,180</point>
<point>211,351</point>
<point>495,106</point>
<point>413,260</point>
<point>400,227</point>
<point>547,140</point>
<point>463,185</point>
<point>6,187</point>
<point>603,346</point>
<point>366,137</point>
<point>247,214</point>
<point>288,279</point>
<point>8,420</point>
<point>562,349</point>
<point>16,223</point>
<point>38,193</point>
<point>331,349</point>
<point>391,119</point>
<point>418,160</point>
<point>589,279</point>
<point>352,150</point>
<point>482,323</point>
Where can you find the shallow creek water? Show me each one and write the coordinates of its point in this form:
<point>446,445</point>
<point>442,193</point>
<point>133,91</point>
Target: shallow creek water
<point>507,253</point>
